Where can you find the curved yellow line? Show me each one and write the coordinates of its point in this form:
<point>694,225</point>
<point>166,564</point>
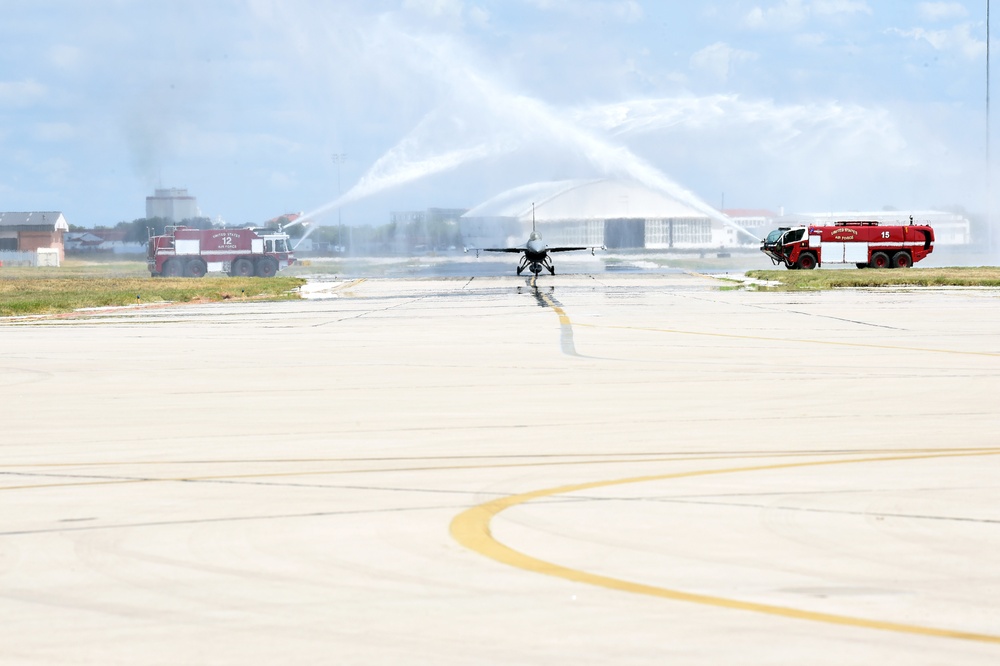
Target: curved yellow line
<point>471,528</point>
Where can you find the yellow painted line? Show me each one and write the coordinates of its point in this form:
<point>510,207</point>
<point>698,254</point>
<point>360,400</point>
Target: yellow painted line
<point>348,285</point>
<point>563,317</point>
<point>836,343</point>
<point>471,528</point>
<point>345,289</point>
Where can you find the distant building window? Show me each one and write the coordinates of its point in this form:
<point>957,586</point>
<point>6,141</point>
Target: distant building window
<point>8,244</point>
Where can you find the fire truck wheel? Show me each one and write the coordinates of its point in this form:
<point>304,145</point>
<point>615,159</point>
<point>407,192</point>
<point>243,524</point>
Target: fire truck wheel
<point>807,261</point>
<point>267,267</point>
<point>172,268</point>
<point>861,265</point>
<point>195,268</point>
<point>242,267</point>
<point>901,260</point>
<point>880,260</point>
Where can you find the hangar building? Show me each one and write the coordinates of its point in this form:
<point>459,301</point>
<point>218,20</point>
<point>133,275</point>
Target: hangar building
<point>617,214</point>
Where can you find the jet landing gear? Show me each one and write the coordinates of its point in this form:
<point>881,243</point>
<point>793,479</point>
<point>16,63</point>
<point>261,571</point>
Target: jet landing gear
<point>536,266</point>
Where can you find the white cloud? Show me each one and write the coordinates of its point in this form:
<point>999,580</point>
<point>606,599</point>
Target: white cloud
<point>479,17</point>
<point>20,94</point>
<point>791,14</point>
<point>281,181</point>
<point>786,15</point>
<point>622,10</point>
<point>957,39</point>
<point>810,39</point>
<point>782,122</point>
<point>436,8</point>
<point>65,56</point>
<point>54,131</point>
<point>809,155</point>
<point>941,11</point>
<point>833,7</point>
<point>718,60</point>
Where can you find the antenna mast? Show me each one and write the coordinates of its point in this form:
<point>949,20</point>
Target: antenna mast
<point>989,192</point>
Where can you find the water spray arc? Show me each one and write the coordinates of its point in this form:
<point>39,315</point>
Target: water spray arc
<point>507,123</point>
<point>338,159</point>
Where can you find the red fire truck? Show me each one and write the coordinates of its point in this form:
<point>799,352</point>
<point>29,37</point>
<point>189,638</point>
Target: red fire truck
<point>183,251</point>
<point>864,244</point>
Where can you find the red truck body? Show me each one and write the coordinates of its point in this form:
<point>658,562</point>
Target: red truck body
<point>183,251</point>
<point>864,244</point>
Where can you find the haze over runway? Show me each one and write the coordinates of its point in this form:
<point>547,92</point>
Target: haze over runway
<point>600,468</point>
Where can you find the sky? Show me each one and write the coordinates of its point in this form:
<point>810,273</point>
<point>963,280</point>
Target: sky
<point>348,110</point>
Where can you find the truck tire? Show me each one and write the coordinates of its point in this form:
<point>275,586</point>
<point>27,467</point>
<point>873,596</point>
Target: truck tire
<point>807,261</point>
<point>861,265</point>
<point>901,260</point>
<point>242,267</point>
<point>195,268</point>
<point>880,260</point>
<point>173,268</point>
<point>266,267</point>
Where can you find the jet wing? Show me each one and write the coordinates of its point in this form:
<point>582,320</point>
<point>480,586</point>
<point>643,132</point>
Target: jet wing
<point>502,249</point>
<point>581,247</point>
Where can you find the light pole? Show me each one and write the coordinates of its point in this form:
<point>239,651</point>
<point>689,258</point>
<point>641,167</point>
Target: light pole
<point>338,159</point>
<point>989,171</point>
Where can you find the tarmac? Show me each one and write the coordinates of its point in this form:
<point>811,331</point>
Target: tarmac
<point>601,468</point>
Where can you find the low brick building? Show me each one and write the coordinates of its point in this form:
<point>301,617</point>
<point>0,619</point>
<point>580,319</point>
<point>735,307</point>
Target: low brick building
<point>27,232</point>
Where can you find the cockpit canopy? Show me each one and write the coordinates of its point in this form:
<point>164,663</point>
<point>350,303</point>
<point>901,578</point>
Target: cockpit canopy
<point>534,236</point>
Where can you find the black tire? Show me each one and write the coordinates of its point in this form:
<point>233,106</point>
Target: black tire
<point>807,261</point>
<point>242,267</point>
<point>880,260</point>
<point>901,260</point>
<point>173,268</point>
<point>195,268</point>
<point>267,267</point>
<point>861,265</point>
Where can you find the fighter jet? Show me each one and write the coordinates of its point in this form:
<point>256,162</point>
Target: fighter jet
<point>535,251</point>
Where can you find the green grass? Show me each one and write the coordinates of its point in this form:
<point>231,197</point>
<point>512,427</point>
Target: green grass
<point>987,276</point>
<point>27,291</point>
<point>78,268</point>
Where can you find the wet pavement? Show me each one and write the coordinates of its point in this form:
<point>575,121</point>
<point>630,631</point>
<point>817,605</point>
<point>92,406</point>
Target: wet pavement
<point>606,467</point>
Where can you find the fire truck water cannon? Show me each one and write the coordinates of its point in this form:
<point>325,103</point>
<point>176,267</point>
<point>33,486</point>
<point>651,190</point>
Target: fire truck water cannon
<point>864,244</point>
<point>186,252</point>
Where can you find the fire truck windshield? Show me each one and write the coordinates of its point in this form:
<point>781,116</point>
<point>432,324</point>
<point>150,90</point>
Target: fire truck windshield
<point>773,236</point>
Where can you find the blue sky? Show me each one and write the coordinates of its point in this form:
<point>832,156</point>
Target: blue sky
<point>808,105</point>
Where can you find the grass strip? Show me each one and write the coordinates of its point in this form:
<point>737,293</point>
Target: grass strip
<point>52,295</point>
<point>819,279</point>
